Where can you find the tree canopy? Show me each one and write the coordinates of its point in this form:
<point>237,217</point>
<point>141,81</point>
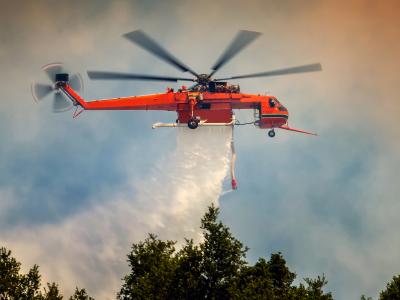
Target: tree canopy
<point>392,291</point>
<point>15,285</point>
<point>216,268</point>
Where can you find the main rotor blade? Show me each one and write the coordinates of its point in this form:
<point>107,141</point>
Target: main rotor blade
<point>60,103</point>
<point>242,39</point>
<point>130,76</point>
<point>143,40</point>
<point>299,69</point>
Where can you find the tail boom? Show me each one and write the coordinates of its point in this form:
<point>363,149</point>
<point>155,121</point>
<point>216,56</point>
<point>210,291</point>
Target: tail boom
<point>74,96</point>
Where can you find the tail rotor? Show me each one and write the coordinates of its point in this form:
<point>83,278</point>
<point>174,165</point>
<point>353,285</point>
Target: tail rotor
<point>57,76</point>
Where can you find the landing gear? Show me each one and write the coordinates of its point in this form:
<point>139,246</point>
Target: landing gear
<point>193,123</point>
<point>271,133</point>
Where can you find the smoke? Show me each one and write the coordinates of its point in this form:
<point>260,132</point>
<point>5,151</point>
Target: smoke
<point>88,249</point>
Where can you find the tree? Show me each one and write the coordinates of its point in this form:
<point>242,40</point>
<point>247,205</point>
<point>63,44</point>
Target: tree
<point>152,266</point>
<point>223,256</point>
<point>280,275</point>
<point>214,269</point>
<point>314,289</point>
<point>80,294</point>
<point>52,292</point>
<point>392,291</point>
<point>253,282</point>
<point>14,285</point>
<point>186,282</point>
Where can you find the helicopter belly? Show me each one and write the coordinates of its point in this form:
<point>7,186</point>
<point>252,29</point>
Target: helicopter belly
<point>272,120</point>
<point>207,115</point>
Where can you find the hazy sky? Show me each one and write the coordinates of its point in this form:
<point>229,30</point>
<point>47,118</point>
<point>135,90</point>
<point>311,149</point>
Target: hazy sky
<point>329,204</point>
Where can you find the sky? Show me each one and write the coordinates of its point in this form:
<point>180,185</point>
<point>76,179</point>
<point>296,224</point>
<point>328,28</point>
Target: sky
<point>74,194</point>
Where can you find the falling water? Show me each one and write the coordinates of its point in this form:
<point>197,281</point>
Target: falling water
<point>89,249</point>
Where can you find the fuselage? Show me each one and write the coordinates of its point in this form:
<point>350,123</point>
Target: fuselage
<point>204,106</point>
<point>217,107</point>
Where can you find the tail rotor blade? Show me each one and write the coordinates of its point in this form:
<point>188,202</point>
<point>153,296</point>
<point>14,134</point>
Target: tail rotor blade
<point>241,40</point>
<point>60,103</point>
<point>40,90</point>
<point>52,69</point>
<point>76,82</point>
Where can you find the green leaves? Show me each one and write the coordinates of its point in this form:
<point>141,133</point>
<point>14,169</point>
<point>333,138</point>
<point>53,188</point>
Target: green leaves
<point>14,285</point>
<point>214,269</point>
<point>223,256</point>
<point>52,292</point>
<point>392,291</point>
<point>80,294</point>
<point>152,266</point>
<point>9,274</point>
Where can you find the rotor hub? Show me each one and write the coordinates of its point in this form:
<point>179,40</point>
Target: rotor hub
<point>203,79</point>
<point>63,77</point>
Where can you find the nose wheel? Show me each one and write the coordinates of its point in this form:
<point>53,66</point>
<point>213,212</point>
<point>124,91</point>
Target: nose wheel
<point>271,133</point>
<point>193,123</point>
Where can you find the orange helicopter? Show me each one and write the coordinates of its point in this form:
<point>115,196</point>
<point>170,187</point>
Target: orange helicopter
<point>208,102</point>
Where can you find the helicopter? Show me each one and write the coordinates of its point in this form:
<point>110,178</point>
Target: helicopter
<point>209,101</point>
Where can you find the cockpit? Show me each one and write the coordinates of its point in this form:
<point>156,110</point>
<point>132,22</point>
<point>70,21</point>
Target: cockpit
<point>273,102</point>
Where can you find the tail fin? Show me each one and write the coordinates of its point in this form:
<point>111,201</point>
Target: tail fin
<point>296,130</point>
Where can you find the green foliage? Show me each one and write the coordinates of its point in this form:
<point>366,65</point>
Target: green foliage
<point>52,292</point>
<point>253,282</point>
<point>314,289</point>
<point>14,285</point>
<point>186,282</point>
<point>152,266</point>
<point>392,291</point>
<point>222,257</point>
<point>214,269</point>
<point>80,294</point>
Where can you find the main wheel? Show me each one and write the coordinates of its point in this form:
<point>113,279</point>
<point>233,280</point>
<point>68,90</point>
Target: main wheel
<point>271,133</point>
<point>193,124</point>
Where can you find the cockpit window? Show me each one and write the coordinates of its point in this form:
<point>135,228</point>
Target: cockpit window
<point>272,102</point>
